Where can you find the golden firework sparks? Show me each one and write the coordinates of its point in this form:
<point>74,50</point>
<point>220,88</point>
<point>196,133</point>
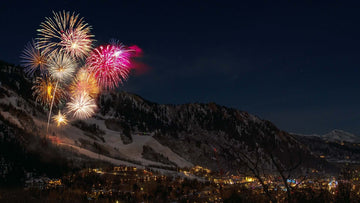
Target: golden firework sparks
<point>65,32</point>
<point>60,119</point>
<point>84,83</point>
<point>43,91</point>
<point>33,58</point>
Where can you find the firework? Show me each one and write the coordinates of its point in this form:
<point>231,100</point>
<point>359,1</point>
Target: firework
<point>121,53</point>
<point>84,83</point>
<point>76,43</point>
<point>60,119</point>
<point>63,41</point>
<point>82,106</point>
<point>43,91</point>
<point>33,58</point>
<point>65,32</point>
<point>110,65</point>
<point>61,66</point>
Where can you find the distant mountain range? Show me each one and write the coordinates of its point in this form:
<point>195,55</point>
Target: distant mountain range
<point>338,136</point>
<point>130,130</point>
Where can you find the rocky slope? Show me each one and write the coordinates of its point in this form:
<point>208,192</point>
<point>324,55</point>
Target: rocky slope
<point>208,134</point>
<point>128,126</point>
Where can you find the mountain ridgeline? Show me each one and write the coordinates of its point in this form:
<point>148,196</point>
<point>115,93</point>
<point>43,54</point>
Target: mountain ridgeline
<point>209,135</point>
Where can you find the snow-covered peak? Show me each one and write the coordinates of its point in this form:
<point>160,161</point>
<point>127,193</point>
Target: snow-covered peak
<point>340,135</point>
<point>334,136</point>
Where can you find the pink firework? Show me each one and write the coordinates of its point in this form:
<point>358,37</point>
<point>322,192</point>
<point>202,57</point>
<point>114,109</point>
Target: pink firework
<point>110,64</point>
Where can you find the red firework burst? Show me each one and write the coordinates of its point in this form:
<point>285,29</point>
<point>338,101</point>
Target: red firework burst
<point>110,65</point>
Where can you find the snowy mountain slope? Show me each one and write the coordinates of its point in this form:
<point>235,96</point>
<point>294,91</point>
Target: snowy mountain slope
<point>209,135</point>
<point>25,114</point>
<point>133,150</point>
<point>70,135</point>
<point>342,136</point>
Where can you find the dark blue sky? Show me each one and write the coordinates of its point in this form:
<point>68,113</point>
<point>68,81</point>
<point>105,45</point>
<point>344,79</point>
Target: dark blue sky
<point>295,64</point>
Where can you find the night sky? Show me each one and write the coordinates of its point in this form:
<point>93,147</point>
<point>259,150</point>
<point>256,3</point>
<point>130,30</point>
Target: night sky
<point>295,64</point>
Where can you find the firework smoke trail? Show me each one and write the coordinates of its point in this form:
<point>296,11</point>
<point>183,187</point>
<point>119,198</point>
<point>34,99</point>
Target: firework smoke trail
<point>137,52</point>
<point>33,58</point>
<point>52,102</point>
<point>65,32</point>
